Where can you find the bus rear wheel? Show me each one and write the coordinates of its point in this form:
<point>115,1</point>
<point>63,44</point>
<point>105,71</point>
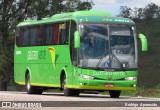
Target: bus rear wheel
<point>114,94</point>
<point>32,89</point>
<point>68,91</point>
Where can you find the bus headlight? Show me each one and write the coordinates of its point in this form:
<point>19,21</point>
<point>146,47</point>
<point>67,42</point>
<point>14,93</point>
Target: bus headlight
<point>86,76</point>
<point>131,78</point>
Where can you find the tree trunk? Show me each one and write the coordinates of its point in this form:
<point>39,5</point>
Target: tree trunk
<point>3,85</point>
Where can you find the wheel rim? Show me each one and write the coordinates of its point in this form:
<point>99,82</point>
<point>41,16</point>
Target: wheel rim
<point>28,84</point>
<point>64,85</point>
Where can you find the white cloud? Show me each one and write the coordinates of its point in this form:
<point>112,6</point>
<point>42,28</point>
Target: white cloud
<point>109,2</point>
<point>104,2</point>
<point>143,3</point>
<point>113,6</point>
<point>129,2</point>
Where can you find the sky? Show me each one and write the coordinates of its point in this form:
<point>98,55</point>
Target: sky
<point>113,6</point>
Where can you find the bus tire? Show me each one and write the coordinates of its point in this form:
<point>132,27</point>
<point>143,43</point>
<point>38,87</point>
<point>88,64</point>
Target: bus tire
<point>67,91</point>
<point>76,92</point>
<point>30,89</point>
<point>114,94</point>
<point>39,90</point>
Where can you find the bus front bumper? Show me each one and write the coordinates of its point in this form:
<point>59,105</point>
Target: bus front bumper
<point>100,85</point>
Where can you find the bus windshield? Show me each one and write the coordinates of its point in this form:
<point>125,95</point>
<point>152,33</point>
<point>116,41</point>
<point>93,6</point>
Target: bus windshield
<point>107,46</point>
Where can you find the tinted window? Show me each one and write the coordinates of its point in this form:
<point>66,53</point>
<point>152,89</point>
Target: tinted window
<point>55,38</point>
<point>19,34</point>
<point>40,35</point>
<point>63,33</point>
<point>33,36</point>
<point>25,37</point>
<point>47,34</point>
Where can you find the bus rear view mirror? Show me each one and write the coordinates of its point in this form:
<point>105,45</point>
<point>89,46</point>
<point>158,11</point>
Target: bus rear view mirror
<point>77,39</point>
<point>143,42</point>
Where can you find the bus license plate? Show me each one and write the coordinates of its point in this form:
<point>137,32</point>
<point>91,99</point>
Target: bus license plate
<point>109,85</point>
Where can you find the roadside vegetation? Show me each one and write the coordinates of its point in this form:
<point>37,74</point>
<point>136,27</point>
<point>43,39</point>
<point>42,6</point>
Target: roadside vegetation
<point>143,92</point>
<point>140,92</point>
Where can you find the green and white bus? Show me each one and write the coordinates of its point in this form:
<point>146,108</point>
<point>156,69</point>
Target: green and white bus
<point>77,51</point>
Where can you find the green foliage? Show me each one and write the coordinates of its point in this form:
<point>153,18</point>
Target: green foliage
<point>150,11</point>
<point>149,62</point>
<point>140,92</point>
<point>43,8</point>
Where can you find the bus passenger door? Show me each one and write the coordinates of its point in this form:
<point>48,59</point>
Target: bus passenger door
<point>73,54</point>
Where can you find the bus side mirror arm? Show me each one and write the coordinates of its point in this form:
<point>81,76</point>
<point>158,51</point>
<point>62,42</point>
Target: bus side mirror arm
<point>77,39</point>
<point>143,42</point>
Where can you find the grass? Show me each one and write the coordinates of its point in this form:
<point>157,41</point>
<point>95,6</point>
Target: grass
<point>153,92</point>
<point>141,92</point>
<point>149,93</point>
<point>12,86</point>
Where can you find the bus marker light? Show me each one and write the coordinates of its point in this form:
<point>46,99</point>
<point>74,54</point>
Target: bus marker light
<point>81,84</point>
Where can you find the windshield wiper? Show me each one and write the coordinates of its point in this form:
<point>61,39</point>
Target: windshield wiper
<point>121,65</point>
<point>99,62</point>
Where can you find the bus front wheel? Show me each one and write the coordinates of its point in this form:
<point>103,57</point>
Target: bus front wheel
<point>68,91</point>
<point>114,94</point>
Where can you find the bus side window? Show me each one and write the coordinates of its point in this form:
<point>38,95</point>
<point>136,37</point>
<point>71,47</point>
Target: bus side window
<point>63,33</point>
<point>55,34</point>
<point>25,37</point>
<point>19,36</point>
<point>37,35</point>
<point>40,36</point>
<point>33,37</point>
<point>48,34</point>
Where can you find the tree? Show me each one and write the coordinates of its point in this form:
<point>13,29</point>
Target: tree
<point>150,11</point>
<point>48,8</point>
<point>158,12</point>
<point>14,11</point>
<point>9,10</point>
<point>125,12</point>
<point>140,13</point>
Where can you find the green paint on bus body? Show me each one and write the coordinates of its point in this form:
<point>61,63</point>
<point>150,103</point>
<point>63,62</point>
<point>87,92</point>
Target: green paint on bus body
<point>144,42</point>
<point>46,63</point>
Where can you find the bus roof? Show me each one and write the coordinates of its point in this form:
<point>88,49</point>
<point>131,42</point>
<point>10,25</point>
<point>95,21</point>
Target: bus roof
<point>80,16</point>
